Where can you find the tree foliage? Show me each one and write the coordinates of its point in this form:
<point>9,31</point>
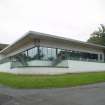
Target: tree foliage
<point>98,36</point>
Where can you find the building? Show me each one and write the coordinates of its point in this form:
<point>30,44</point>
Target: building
<point>39,53</point>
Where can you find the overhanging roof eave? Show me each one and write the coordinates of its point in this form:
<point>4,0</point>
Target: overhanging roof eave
<point>32,34</point>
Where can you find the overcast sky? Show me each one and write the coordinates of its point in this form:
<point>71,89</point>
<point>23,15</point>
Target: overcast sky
<point>75,19</point>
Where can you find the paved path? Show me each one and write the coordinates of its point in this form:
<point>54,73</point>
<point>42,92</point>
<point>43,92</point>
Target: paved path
<point>82,95</point>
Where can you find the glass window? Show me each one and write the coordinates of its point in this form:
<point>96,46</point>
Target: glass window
<point>40,53</point>
<point>53,53</point>
<point>61,53</point>
<point>50,54</point>
<point>25,53</point>
<point>100,56</point>
<point>58,52</point>
<point>45,51</point>
<point>32,53</point>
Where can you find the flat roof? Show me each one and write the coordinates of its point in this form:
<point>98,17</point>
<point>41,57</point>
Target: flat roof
<point>33,34</point>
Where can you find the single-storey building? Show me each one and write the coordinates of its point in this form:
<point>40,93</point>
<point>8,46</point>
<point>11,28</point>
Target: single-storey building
<point>39,53</point>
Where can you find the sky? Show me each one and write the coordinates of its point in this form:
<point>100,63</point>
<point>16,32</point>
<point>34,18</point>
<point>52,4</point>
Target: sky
<point>75,19</point>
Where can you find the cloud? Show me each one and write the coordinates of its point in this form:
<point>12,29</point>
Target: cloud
<point>70,18</point>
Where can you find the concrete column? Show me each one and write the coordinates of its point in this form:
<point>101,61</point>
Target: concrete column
<point>99,58</point>
<point>103,57</point>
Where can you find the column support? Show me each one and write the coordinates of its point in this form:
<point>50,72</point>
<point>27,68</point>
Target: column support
<point>99,57</point>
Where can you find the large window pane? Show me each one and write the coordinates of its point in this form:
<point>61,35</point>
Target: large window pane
<point>53,53</point>
<point>50,54</point>
<point>44,53</point>
<point>61,53</point>
<point>32,53</point>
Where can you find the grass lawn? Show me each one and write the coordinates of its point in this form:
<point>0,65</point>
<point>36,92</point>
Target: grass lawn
<point>50,81</point>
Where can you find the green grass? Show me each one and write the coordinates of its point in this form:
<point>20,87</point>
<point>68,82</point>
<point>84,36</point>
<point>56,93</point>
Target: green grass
<point>50,81</point>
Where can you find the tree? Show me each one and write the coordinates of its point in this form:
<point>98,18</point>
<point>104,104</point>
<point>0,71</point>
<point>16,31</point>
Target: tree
<point>98,37</point>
